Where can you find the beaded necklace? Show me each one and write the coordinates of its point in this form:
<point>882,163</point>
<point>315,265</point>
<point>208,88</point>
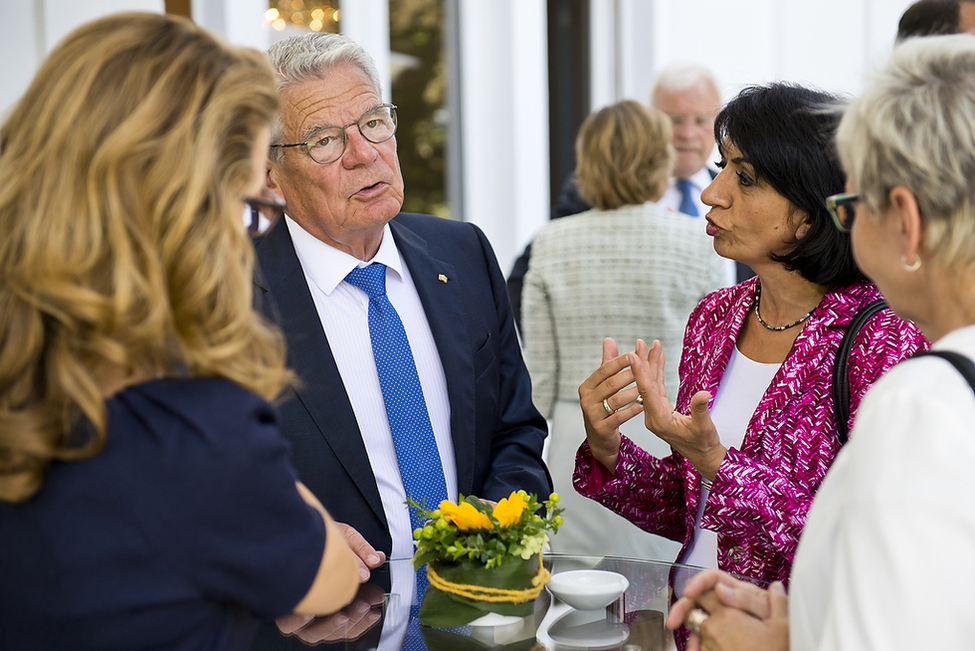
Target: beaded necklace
<point>758,297</point>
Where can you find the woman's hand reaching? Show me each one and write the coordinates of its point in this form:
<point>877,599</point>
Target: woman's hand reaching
<point>694,437</point>
<point>732,615</point>
<point>607,398</point>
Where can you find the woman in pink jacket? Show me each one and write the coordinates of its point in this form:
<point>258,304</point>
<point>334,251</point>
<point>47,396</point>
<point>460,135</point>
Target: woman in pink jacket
<point>753,432</point>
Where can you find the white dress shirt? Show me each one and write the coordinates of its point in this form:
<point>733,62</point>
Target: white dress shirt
<point>742,387</point>
<point>343,310</point>
<point>672,198</point>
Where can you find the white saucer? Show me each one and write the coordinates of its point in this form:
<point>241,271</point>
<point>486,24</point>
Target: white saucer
<point>588,589</point>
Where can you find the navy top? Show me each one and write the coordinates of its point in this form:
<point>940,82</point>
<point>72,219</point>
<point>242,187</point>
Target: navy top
<point>184,530</point>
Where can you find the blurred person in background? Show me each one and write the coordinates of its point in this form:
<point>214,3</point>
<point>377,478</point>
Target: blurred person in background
<point>146,497</point>
<point>688,94</point>
<point>933,17</point>
<point>627,269</point>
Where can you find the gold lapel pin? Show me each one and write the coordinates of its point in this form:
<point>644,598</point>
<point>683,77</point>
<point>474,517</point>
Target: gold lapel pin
<point>442,278</point>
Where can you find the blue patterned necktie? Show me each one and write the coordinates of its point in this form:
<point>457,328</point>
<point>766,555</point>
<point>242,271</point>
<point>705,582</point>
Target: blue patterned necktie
<point>406,409</point>
<point>687,205</point>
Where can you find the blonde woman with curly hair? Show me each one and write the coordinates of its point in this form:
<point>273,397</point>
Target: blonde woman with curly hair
<point>146,498</point>
<point>627,269</point>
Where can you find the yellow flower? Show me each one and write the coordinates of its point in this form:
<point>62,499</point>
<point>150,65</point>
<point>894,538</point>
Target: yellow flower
<point>508,511</point>
<point>465,516</point>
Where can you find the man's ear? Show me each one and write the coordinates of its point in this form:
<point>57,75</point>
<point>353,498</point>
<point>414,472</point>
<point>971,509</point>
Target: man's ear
<point>270,177</point>
<point>910,224</point>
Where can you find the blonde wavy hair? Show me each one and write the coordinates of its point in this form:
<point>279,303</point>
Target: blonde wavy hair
<point>624,155</point>
<point>123,252</point>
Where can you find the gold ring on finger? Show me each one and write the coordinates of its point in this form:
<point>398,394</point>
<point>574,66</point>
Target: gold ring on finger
<point>639,400</point>
<point>695,619</point>
<point>609,410</point>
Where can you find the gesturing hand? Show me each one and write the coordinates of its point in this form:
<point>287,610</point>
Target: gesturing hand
<point>607,401</point>
<point>695,436</point>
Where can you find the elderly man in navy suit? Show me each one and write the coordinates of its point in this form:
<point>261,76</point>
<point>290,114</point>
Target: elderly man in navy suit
<point>369,426</point>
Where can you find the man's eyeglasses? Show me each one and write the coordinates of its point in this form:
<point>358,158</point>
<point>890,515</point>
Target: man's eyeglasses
<point>840,208</point>
<point>261,213</point>
<point>327,145</point>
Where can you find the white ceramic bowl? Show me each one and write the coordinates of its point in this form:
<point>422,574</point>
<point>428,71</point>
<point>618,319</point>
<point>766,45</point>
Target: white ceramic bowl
<point>588,589</point>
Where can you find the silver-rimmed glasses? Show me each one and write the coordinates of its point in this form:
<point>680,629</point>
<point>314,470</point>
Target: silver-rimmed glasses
<point>261,213</point>
<point>328,144</point>
<point>840,208</point>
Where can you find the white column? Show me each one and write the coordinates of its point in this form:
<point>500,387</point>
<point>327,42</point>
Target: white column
<point>367,23</point>
<point>622,56</point>
<point>240,22</point>
<point>21,41</point>
<point>504,100</point>
<point>30,30</point>
<point>603,53</point>
<point>637,60</point>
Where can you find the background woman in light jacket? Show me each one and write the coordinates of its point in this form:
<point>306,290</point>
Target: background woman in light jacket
<point>754,430</point>
<point>887,559</point>
<point>626,269</point>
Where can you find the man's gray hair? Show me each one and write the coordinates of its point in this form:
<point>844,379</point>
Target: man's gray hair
<point>915,127</point>
<point>305,57</point>
<point>681,76</point>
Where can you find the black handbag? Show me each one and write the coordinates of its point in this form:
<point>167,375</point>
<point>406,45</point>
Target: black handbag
<point>841,377</point>
<point>841,384</point>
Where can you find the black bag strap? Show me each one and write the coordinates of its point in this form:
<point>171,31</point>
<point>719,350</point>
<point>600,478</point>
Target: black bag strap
<point>963,364</point>
<point>841,377</point>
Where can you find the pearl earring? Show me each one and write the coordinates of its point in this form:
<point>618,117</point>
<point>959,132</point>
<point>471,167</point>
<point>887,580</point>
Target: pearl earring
<point>914,266</point>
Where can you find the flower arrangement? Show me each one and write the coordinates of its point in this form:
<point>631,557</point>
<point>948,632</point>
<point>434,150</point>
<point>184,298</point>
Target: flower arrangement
<point>483,558</point>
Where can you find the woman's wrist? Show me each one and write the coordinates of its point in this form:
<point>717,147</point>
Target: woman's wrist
<point>605,453</point>
<point>607,463</point>
<point>709,464</point>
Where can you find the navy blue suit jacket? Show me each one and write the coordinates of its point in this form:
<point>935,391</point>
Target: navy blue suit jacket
<point>496,430</point>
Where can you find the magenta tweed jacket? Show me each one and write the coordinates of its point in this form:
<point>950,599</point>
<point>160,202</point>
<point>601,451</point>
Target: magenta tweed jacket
<point>762,492</point>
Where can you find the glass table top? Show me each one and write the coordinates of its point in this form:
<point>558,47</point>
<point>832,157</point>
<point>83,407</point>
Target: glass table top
<point>383,614</point>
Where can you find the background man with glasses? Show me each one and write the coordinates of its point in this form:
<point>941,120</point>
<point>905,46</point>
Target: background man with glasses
<point>418,389</point>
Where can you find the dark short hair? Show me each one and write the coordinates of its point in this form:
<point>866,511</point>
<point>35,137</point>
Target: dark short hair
<point>786,132</point>
<point>928,18</point>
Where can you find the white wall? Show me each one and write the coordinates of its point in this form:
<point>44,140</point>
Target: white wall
<point>239,21</point>
<point>29,29</point>
<point>504,95</point>
<point>830,44</point>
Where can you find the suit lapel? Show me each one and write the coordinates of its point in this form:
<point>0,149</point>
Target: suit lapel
<point>439,288</point>
<point>319,387</point>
